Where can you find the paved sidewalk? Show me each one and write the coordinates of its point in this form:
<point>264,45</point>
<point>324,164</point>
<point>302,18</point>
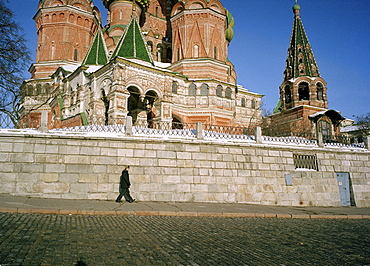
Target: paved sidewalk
<point>16,204</point>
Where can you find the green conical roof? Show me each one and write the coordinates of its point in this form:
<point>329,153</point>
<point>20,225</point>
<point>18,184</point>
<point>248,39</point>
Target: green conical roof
<point>132,44</point>
<point>97,54</point>
<point>300,61</point>
<point>278,107</point>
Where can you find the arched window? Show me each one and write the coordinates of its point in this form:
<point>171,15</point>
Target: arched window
<point>219,91</point>
<point>320,91</point>
<point>253,104</point>
<point>47,88</point>
<point>204,90</point>
<point>52,50</point>
<point>243,102</point>
<point>228,93</point>
<point>175,86</point>
<point>303,91</point>
<point>178,54</point>
<point>196,51</point>
<point>192,90</point>
<point>38,89</point>
<point>159,52</point>
<point>150,46</point>
<point>288,94</point>
<point>30,90</point>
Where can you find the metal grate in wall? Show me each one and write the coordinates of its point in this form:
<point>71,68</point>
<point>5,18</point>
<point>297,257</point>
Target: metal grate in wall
<point>302,161</point>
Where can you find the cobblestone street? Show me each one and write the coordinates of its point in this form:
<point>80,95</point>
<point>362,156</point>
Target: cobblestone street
<point>45,239</point>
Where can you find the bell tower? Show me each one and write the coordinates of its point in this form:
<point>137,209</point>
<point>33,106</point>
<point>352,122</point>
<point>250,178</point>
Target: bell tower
<point>65,29</point>
<point>302,84</point>
<point>303,104</point>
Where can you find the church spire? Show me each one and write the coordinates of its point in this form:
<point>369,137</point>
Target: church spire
<point>300,61</point>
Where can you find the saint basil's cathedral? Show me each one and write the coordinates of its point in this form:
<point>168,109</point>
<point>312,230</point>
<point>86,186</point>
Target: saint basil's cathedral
<point>163,59</point>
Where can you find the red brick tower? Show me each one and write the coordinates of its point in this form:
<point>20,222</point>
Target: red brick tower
<point>65,29</point>
<point>200,40</point>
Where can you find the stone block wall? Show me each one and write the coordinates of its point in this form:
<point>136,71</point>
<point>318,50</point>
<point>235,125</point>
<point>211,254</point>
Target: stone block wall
<point>82,167</point>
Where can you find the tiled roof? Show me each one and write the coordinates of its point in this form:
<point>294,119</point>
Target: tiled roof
<point>97,54</point>
<point>300,61</point>
<point>132,44</point>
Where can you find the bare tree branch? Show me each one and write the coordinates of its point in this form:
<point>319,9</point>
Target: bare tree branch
<point>14,60</point>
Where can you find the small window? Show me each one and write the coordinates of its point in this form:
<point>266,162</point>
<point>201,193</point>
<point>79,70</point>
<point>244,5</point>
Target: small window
<point>192,90</point>
<point>215,52</point>
<point>228,93</point>
<point>253,104</point>
<point>178,54</point>
<point>75,55</point>
<point>159,52</point>
<point>175,86</point>
<point>288,94</point>
<point>243,102</point>
<point>150,46</point>
<point>204,90</point>
<point>38,89</point>
<point>219,91</point>
<point>320,91</point>
<point>325,129</point>
<point>196,51</point>
<point>305,162</point>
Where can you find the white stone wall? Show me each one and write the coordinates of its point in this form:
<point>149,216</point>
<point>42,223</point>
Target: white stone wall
<point>76,167</point>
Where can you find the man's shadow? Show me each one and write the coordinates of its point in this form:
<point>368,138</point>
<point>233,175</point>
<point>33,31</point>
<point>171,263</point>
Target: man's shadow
<point>80,263</point>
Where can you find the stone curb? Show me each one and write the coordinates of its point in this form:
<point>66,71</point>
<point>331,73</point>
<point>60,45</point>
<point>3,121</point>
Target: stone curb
<point>182,214</point>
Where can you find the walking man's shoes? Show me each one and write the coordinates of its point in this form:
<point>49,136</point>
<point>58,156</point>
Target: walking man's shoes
<point>118,200</point>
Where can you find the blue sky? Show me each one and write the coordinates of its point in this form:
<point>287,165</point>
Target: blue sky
<point>338,30</point>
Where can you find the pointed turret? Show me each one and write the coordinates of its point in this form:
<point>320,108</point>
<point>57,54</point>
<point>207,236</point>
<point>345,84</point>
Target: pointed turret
<point>300,61</point>
<point>97,54</point>
<point>132,44</point>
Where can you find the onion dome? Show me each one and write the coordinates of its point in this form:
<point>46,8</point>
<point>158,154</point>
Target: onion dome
<point>230,26</point>
<point>144,4</point>
<point>296,7</point>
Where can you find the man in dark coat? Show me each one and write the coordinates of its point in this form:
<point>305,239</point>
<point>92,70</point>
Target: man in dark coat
<point>124,186</point>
